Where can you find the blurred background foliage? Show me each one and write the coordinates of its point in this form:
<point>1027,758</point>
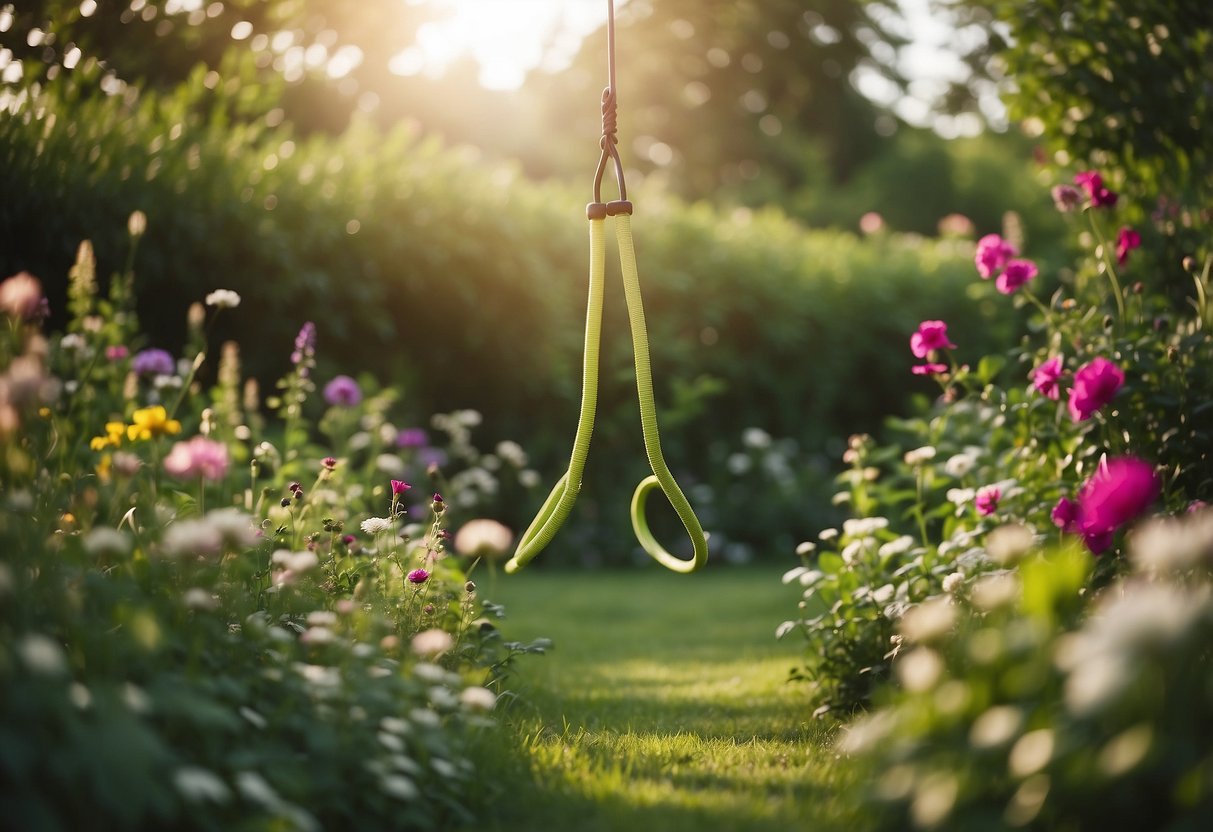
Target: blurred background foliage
<point>432,227</point>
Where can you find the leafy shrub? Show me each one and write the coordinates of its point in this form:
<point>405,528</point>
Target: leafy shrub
<point>1114,373</point>
<point>1025,705</point>
<point>211,632</point>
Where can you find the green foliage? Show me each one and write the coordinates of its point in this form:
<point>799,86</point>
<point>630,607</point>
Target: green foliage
<point>1045,710</point>
<point>166,665</point>
<point>919,526</point>
<point>463,285</point>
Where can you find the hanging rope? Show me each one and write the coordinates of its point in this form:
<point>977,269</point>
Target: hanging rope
<point>559,503</point>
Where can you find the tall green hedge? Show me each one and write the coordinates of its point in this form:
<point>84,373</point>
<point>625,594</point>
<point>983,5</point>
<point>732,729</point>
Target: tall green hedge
<point>466,284</point>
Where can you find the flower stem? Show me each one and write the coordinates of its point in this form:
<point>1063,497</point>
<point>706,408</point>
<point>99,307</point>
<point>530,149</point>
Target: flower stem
<point>1117,294</point>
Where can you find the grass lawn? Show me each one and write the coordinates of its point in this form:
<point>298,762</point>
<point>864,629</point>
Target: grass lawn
<point>664,706</point>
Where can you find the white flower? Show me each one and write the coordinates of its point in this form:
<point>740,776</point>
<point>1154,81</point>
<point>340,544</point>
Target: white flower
<point>528,478</point>
<point>478,699</point>
<point>827,534</point>
<point>389,464</point>
<point>929,620</point>
<point>756,438</point>
<point>920,455</point>
<point>191,537</point>
<point>223,299</point>
<point>896,546</point>
<point>42,655</point>
<point>483,538</point>
<point>432,642</point>
<point>863,526</point>
<point>959,465</point>
<point>806,548</point>
<point>197,598</point>
<point>106,542</point>
<point>953,582</point>
<point>512,453</point>
<point>375,525</point>
<point>295,562</point>
<point>322,618</point>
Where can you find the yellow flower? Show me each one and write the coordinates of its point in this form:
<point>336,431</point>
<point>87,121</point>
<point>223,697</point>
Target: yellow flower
<point>151,422</point>
<point>112,438</point>
<point>105,467</point>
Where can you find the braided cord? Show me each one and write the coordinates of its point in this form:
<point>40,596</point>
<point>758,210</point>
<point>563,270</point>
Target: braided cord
<point>648,421</point>
<point>555,509</point>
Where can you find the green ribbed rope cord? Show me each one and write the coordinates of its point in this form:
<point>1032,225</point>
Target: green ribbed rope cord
<point>559,503</point>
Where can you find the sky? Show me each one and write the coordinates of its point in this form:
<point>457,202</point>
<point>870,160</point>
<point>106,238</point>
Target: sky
<point>507,38</point>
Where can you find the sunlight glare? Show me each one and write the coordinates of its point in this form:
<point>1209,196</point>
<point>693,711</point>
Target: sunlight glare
<point>507,38</point>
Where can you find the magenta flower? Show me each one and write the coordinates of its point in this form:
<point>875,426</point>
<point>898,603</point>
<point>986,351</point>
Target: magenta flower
<point>1126,241</point>
<point>418,576</point>
<point>329,463</point>
<point>1095,384</point>
<point>1045,378</point>
<point>931,335</point>
<point>153,362</point>
<point>1119,490</point>
<point>928,369</point>
<point>1067,198</point>
<point>1065,515</point>
<point>305,348</point>
<point>399,487</point>
<point>342,391</point>
<point>1091,182</point>
<point>1016,274</point>
<point>116,352</point>
<point>987,499</point>
<point>197,458</point>
<point>993,253</point>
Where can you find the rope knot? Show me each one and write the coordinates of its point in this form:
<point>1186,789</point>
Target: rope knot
<point>610,120</point>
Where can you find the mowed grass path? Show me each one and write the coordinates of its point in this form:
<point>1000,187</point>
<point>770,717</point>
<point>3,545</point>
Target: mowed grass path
<point>664,706</point>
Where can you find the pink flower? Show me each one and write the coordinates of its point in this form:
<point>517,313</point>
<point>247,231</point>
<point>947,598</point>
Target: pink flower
<point>1119,490</point>
<point>197,458</point>
<point>342,391</point>
<point>329,463</point>
<point>1065,515</point>
<point>1066,197</point>
<point>1126,241</point>
<point>1091,182</point>
<point>987,499</point>
<point>399,487</point>
<point>418,576</point>
<point>931,335</point>
<point>993,253</point>
<point>21,296</point>
<point>928,369</point>
<point>1016,274</point>
<point>116,352</point>
<point>1046,376</point>
<point>1095,384</point>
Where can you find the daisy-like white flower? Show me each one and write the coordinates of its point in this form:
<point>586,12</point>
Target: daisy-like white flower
<point>223,299</point>
<point>375,525</point>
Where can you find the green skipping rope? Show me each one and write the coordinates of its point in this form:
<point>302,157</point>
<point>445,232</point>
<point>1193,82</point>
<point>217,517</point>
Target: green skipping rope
<point>559,503</point>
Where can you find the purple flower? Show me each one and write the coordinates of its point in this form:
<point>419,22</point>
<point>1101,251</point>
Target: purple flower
<point>987,499</point>
<point>1095,384</point>
<point>1091,182</point>
<point>1065,515</point>
<point>1045,378</point>
<point>1119,490</point>
<point>412,438</point>
<point>1016,274</point>
<point>153,362</point>
<point>931,335</point>
<point>993,253</point>
<point>342,391</point>
<point>928,369</point>
<point>1126,241</point>
<point>1067,198</point>
<point>418,576</point>
<point>305,343</point>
